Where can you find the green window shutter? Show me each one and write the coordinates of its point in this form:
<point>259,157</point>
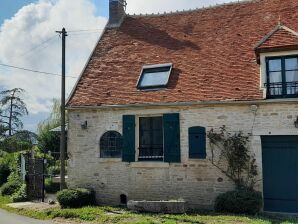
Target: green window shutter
<point>171,129</point>
<point>197,142</point>
<point>128,153</point>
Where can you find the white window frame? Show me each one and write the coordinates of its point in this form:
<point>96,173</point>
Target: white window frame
<point>263,70</point>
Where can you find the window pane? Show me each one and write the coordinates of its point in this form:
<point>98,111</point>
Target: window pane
<point>111,145</point>
<point>157,123</point>
<point>145,123</point>
<point>275,77</point>
<point>157,138</point>
<point>154,79</point>
<point>155,76</point>
<point>291,76</point>
<point>151,138</point>
<point>291,63</point>
<point>275,65</point>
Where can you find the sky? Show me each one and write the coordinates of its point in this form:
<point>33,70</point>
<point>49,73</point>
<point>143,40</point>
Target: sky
<point>28,40</point>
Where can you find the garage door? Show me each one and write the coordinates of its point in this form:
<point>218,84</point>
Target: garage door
<point>280,173</point>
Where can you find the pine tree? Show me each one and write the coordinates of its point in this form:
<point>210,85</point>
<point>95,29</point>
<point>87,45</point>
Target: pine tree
<point>12,109</point>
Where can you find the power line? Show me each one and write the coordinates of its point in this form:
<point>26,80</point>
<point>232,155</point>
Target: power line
<point>77,31</point>
<point>37,46</point>
<point>35,71</point>
<point>85,33</point>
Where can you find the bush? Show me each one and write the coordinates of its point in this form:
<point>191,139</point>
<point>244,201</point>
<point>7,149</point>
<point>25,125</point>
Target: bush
<point>20,195</point>
<point>239,202</point>
<point>4,173</point>
<point>10,187</point>
<point>76,198</point>
<point>50,186</point>
<point>54,170</point>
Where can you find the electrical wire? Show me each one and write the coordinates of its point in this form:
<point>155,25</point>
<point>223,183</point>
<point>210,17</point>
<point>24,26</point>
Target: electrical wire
<point>77,31</point>
<point>35,71</point>
<point>37,46</point>
<point>73,32</point>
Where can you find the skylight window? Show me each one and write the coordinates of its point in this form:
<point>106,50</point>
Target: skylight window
<point>154,76</point>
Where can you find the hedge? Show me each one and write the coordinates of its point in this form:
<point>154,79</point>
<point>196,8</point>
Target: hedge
<point>20,195</point>
<point>76,198</point>
<point>239,202</point>
<point>10,187</point>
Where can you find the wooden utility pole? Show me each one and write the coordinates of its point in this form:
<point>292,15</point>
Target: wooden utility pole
<point>62,136</point>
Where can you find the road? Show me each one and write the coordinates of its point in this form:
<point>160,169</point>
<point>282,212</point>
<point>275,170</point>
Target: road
<point>10,218</point>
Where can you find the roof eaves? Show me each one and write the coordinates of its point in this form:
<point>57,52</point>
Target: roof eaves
<point>186,103</point>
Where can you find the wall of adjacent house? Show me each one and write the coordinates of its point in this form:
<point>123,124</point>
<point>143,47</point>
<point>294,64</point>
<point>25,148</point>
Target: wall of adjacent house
<point>195,180</point>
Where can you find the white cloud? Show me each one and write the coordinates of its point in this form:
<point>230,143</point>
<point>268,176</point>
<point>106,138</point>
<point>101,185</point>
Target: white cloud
<point>32,25</point>
<point>155,6</point>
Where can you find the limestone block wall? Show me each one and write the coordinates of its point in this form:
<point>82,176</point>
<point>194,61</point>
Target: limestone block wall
<point>196,181</point>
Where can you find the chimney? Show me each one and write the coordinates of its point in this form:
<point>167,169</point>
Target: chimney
<point>117,12</point>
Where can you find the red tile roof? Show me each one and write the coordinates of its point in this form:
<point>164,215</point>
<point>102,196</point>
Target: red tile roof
<point>212,51</point>
<point>280,37</point>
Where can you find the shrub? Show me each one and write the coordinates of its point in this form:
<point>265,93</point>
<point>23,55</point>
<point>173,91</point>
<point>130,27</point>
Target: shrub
<point>10,187</point>
<point>4,173</point>
<point>75,198</point>
<point>50,186</point>
<point>20,195</point>
<point>54,170</point>
<point>239,202</point>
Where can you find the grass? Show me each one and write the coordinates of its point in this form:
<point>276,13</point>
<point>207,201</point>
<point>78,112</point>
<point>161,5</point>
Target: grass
<point>121,216</point>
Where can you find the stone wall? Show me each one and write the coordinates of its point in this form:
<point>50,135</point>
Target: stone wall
<point>194,180</point>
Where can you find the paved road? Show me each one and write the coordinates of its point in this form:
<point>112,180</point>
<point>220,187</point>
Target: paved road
<point>10,218</point>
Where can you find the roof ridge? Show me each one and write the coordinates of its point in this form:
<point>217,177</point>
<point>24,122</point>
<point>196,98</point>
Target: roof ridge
<point>238,2</point>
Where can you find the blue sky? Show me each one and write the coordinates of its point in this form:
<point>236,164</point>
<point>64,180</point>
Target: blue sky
<point>28,39</point>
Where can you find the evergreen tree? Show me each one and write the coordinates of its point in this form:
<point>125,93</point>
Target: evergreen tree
<point>13,109</point>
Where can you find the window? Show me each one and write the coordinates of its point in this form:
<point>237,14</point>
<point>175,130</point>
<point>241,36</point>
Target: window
<point>111,145</point>
<point>151,139</point>
<point>154,76</point>
<point>282,76</point>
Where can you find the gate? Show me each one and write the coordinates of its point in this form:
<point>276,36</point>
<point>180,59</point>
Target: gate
<point>35,178</point>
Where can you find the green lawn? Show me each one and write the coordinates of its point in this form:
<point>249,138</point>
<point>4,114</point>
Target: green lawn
<point>122,216</point>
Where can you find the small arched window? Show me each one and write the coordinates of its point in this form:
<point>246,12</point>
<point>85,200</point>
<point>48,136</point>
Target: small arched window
<point>110,145</point>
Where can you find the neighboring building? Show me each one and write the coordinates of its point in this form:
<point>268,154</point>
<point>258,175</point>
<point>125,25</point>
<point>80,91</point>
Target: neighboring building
<point>155,83</point>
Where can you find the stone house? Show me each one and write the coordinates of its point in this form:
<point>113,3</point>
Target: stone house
<point>155,84</point>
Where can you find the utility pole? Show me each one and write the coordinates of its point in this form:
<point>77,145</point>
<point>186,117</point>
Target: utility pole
<point>62,108</point>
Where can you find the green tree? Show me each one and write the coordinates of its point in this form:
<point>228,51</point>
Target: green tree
<point>19,141</point>
<point>53,121</point>
<point>13,109</point>
<point>48,139</point>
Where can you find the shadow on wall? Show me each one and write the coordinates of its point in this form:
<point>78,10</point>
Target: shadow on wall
<point>154,35</point>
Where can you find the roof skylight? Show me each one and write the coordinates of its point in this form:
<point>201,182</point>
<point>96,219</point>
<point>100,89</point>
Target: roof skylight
<point>155,76</point>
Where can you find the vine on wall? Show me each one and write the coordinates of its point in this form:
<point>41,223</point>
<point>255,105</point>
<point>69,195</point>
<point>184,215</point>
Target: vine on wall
<point>230,154</point>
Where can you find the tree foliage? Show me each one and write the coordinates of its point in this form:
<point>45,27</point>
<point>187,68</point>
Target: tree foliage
<point>54,119</point>
<point>20,141</point>
<point>13,108</point>
<point>47,139</point>
<point>233,157</point>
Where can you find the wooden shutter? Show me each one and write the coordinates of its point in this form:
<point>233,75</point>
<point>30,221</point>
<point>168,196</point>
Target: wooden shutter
<point>171,129</point>
<point>197,142</point>
<point>128,153</point>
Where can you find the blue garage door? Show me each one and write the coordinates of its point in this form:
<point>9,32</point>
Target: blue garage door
<point>280,173</point>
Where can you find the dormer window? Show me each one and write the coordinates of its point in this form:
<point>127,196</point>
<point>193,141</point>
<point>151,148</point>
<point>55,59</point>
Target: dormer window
<point>282,76</point>
<point>154,76</point>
